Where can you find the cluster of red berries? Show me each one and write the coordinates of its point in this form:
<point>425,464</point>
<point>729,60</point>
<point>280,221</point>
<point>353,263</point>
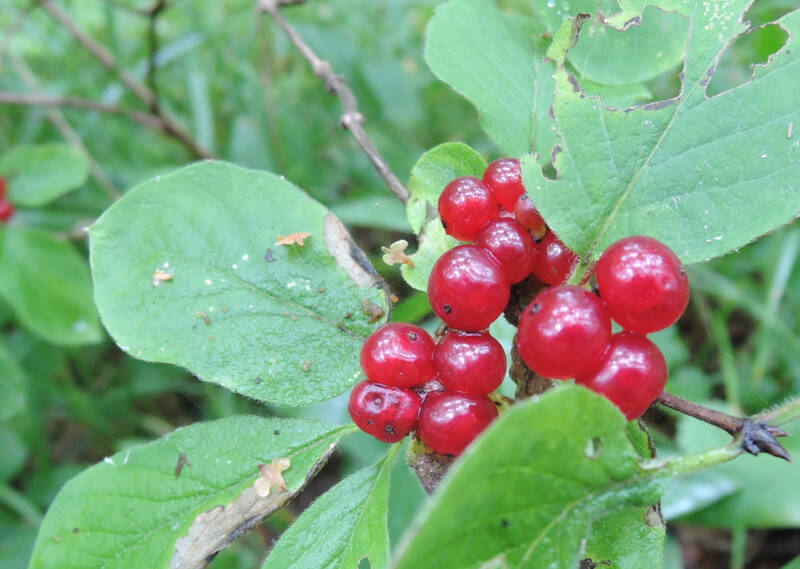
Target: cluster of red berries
<point>438,389</point>
<point>565,332</point>
<point>6,207</point>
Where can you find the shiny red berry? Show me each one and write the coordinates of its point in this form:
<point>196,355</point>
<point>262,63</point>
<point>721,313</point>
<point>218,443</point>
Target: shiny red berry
<point>632,374</point>
<point>554,261</point>
<point>504,176</point>
<point>387,413</point>
<point>564,332</point>
<point>470,362</point>
<point>468,288</point>
<point>465,205</point>
<point>643,283</point>
<point>398,354</point>
<point>511,245</point>
<point>448,422</point>
<point>528,216</point>
<point>6,210</point>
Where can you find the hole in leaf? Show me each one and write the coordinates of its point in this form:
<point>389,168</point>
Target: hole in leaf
<point>765,11</point>
<point>594,447</point>
<point>735,65</point>
<point>549,171</point>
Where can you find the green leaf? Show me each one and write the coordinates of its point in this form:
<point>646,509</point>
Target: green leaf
<point>345,525</point>
<point>631,538</point>
<point>382,212</point>
<point>12,386</point>
<point>494,61</point>
<point>15,453</point>
<point>768,495</point>
<point>433,243</point>
<point>605,54</point>
<point>135,508</point>
<point>433,171</point>
<point>39,174</point>
<point>46,283</point>
<point>529,501</point>
<point>685,171</point>
<point>279,323</point>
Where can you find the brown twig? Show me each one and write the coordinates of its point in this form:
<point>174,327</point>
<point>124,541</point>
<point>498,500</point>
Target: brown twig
<point>755,437</point>
<point>351,118</point>
<point>171,126</point>
<point>44,100</point>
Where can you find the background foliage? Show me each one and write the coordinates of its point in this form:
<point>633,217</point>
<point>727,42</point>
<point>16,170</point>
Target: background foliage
<point>70,397</point>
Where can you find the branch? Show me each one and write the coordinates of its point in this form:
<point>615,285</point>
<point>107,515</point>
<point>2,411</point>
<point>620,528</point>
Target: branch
<point>152,39</point>
<point>44,100</point>
<point>171,126</point>
<point>755,437</point>
<point>351,118</point>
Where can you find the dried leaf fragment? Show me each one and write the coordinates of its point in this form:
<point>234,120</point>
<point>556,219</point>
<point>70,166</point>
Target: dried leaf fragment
<point>395,253</point>
<point>271,476</point>
<point>292,239</point>
<point>160,276</point>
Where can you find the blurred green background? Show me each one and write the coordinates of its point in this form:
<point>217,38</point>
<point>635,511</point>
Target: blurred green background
<point>237,85</point>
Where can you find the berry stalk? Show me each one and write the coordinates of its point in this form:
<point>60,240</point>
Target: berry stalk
<point>755,437</point>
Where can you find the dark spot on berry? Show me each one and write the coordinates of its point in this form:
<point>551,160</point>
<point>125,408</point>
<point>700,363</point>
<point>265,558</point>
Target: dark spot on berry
<point>388,429</point>
<point>504,522</point>
<point>412,336</point>
<point>276,432</point>
<point>596,290</point>
<point>536,308</point>
<point>369,421</point>
<point>538,239</point>
<point>448,309</point>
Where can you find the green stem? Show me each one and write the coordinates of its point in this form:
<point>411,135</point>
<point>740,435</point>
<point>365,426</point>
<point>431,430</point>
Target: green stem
<point>20,504</point>
<point>782,414</point>
<point>694,462</point>
<point>738,546</point>
<point>580,272</point>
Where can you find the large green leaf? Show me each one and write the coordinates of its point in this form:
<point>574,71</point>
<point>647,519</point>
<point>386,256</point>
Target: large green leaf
<point>495,61</point>
<point>345,525</point>
<point>433,171</point>
<point>138,508</point>
<point>606,55</point>
<point>704,175</point>
<point>622,539</point>
<point>278,323</point>
<point>47,284</point>
<point>529,491</point>
<point>37,175</point>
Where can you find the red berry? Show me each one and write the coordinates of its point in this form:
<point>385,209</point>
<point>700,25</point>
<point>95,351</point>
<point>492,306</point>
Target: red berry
<point>448,422</point>
<point>511,245</point>
<point>398,354</point>
<point>631,375</point>
<point>465,205</point>
<point>564,332</point>
<point>468,289</point>
<point>643,283</point>
<point>504,176</point>
<point>528,216</point>
<point>387,413</point>
<point>554,261</point>
<point>6,210</point>
<point>470,362</point>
